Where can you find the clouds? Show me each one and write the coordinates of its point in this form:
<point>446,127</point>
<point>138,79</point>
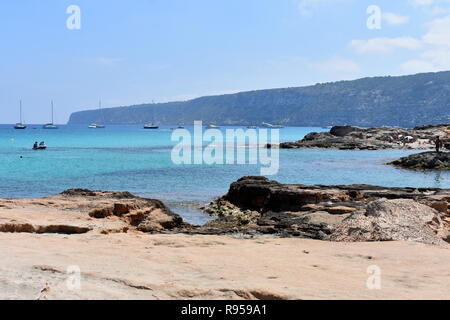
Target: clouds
<point>336,65</point>
<point>426,52</point>
<point>394,19</point>
<point>385,45</point>
<point>438,32</point>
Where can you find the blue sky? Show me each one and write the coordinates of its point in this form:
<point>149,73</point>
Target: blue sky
<point>131,52</point>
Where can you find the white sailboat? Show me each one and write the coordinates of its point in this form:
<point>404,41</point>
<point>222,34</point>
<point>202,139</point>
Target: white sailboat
<point>98,125</point>
<point>20,125</point>
<point>151,126</point>
<point>50,125</point>
<point>272,126</point>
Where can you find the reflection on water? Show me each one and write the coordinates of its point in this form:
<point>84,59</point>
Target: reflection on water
<point>438,178</point>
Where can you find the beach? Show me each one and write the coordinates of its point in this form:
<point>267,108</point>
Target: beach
<point>108,245</point>
<point>141,266</point>
<point>157,243</point>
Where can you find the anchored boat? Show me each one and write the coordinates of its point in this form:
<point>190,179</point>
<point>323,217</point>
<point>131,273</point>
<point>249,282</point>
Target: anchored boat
<point>20,125</point>
<point>95,125</point>
<point>50,125</point>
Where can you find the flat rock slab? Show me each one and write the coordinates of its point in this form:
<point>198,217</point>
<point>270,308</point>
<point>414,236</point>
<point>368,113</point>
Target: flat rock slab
<point>143,266</point>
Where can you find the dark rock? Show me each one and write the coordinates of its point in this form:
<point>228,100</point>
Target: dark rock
<point>259,205</point>
<point>426,160</point>
<point>340,131</point>
<point>356,138</point>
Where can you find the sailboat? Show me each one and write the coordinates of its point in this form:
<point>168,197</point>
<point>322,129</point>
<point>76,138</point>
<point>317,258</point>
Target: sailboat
<point>50,125</point>
<point>151,126</point>
<point>272,126</point>
<point>97,125</point>
<point>20,125</point>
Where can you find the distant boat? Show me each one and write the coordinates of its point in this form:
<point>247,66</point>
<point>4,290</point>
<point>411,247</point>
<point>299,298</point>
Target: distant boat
<point>252,127</point>
<point>272,126</point>
<point>151,126</point>
<point>20,125</point>
<point>40,146</point>
<point>180,126</point>
<point>50,125</point>
<point>212,125</point>
<point>98,125</point>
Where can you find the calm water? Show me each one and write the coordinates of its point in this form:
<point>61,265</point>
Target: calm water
<point>137,160</point>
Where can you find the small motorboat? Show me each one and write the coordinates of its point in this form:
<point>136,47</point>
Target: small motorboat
<point>252,127</point>
<point>40,146</point>
<point>272,126</point>
<point>212,125</point>
<point>96,126</point>
<point>151,126</point>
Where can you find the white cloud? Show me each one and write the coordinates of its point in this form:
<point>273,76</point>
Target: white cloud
<point>417,66</point>
<point>439,32</point>
<point>335,65</point>
<point>385,45</point>
<point>423,2</point>
<point>392,18</point>
<point>440,58</point>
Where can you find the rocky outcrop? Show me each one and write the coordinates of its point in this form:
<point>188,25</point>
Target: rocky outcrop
<point>355,138</point>
<point>254,206</point>
<point>257,205</point>
<point>393,220</point>
<point>426,160</point>
<point>80,211</point>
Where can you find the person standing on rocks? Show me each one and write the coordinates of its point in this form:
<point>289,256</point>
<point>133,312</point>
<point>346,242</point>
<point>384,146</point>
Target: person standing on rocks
<point>438,144</point>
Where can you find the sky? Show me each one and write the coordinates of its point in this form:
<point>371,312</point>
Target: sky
<point>139,51</point>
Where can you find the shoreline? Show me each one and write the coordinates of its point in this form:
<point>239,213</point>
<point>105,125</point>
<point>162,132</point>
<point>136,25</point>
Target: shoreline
<point>381,138</point>
<point>127,247</point>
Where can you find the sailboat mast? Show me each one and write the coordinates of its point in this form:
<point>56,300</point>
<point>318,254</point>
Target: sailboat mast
<point>52,112</point>
<point>100,108</point>
<point>20,111</point>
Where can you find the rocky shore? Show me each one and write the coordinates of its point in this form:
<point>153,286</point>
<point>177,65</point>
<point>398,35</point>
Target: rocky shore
<point>253,207</point>
<point>424,161</point>
<point>262,244</point>
<point>336,213</point>
<point>356,138</point>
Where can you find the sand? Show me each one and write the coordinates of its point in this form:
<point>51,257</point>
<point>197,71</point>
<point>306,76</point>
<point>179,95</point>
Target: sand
<point>136,265</point>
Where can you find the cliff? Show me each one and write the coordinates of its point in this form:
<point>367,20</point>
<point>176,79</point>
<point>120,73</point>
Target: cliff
<point>404,101</point>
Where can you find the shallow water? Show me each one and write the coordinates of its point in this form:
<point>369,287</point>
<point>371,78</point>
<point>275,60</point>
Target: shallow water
<point>137,160</point>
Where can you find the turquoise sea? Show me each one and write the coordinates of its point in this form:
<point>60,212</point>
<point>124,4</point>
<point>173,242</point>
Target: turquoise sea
<point>137,160</point>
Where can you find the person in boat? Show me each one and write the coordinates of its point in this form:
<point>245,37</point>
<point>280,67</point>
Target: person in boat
<point>35,146</point>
